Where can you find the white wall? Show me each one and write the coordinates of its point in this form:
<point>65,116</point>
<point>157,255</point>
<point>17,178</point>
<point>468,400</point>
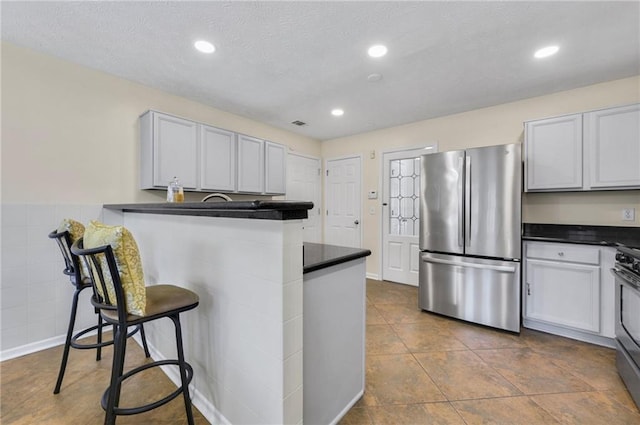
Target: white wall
<point>70,133</point>
<point>492,126</point>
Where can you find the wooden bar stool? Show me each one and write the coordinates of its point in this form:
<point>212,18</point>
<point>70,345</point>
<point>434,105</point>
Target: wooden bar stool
<point>161,301</point>
<point>80,282</point>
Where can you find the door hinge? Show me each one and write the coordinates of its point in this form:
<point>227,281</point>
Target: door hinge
<point>327,173</point>
<point>327,212</point>
<point>319,171</point>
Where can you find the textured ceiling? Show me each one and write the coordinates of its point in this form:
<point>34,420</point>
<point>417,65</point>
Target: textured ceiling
<point>277,62</point>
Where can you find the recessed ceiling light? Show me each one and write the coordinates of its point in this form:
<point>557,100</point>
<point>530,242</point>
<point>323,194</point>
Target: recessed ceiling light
<point>546,51</point>
<point>377,51</point>
<point>204,46</point>
<point>337,112</point>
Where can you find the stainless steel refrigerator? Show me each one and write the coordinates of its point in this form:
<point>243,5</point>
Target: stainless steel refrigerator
<point>470,234</point>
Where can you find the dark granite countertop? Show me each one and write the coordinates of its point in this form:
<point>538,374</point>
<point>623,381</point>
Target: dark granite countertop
<point>258,209</point>
<point>582,234</point>
<point>317,256</point>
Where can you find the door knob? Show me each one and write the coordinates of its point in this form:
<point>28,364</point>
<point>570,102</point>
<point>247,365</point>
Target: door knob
<point>356,222</point>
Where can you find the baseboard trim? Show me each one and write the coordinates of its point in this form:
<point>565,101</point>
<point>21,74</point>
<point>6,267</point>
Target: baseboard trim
<point>569,333</point>
<point>373,276</point>
<point>347,407</point>
<point>32,347</point>
<point>205,407</point>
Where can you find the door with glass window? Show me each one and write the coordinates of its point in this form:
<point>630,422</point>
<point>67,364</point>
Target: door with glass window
<point>401,216</point>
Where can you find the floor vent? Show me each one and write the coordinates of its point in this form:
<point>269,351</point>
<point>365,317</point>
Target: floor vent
<point>299,123</point>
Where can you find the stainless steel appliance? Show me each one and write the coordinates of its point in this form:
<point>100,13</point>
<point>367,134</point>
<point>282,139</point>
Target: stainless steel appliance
<point>470,235</point>
<point>627,278</point>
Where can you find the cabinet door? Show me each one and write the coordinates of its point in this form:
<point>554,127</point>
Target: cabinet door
<point>565,294</point>
<point>174,151</point>
<point>250,164</point>
<point>553,149</point>
<point>275,181</point>
<point>613,139</point>
<point>217,159</point>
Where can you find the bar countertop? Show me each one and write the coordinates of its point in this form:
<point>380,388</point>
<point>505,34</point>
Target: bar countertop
<point>318,256</point>
<point>258,209</point>
<point>583,234</point>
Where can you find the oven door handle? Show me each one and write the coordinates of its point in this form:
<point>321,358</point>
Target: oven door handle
<point>625,279</point>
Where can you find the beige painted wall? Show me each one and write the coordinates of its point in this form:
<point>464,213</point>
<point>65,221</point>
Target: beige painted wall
<point>70,133</point>
<point>491,126</point>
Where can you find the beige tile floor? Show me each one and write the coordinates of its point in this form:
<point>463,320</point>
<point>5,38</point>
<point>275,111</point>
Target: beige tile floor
<point>427,369</point>
<point>421,369</point>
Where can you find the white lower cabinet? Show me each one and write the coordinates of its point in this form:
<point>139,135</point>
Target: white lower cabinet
<point>566,294</point>
<point>568,290</point>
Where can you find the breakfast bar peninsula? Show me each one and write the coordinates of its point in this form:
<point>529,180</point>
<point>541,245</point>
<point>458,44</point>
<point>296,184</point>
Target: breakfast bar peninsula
<point>266,313</point>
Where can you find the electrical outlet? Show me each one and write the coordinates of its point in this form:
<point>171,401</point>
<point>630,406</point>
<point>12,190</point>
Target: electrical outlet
<point>628,214</point>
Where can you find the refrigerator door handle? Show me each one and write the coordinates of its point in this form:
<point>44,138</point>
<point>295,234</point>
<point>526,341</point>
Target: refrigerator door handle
<point>461,200</point>
<point>467,206</point>
<point>507,269</point>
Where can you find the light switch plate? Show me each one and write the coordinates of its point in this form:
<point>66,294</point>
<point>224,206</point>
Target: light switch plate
<point>628,214</point>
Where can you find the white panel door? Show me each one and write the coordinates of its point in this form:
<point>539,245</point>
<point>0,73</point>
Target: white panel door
<point>343,202</point>
<point>400,216</point>
<point>303,184</point>
<point>217,159</point>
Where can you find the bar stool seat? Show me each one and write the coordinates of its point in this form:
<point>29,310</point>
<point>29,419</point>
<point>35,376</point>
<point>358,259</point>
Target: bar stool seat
<point>80,283</point>
<point>162,301</point>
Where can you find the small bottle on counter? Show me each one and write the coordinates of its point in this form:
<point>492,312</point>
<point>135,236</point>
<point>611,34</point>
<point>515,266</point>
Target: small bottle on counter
<point>175,191</point>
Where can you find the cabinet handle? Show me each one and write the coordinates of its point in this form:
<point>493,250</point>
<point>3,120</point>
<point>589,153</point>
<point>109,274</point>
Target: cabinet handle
<point>561,254</point>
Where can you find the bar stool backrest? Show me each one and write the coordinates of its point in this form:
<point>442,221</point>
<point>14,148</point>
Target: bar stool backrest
<point>102,266</point>
<point>71,261</point>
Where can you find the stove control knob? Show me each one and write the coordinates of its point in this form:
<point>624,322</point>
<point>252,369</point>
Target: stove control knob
<point>623,258</point>
<point>636,266</point>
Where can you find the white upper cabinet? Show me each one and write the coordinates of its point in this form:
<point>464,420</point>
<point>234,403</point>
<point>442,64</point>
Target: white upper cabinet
<point>554,153</point>
<point>250,164</point>
<point>206,158</point>
<point>217,159</point>
<point>169,148</point>
<point>275,166</point>
<point>598,150</point>
<point>613,139</point>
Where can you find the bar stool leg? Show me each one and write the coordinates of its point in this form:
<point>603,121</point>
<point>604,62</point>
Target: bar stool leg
<point>99,349</point>
<point>144,341</point>
<point>119,349</point>
<point>183,371</point>
<point>67,342</point>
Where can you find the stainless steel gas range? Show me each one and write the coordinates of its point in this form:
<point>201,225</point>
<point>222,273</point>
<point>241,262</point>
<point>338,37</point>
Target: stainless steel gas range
<point>627,278</point>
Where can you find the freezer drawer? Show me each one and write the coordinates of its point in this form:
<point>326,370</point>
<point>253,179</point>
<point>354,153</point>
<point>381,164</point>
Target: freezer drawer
<point>477,290</point>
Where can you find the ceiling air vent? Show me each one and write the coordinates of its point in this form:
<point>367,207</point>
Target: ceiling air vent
<point>299,123</point>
